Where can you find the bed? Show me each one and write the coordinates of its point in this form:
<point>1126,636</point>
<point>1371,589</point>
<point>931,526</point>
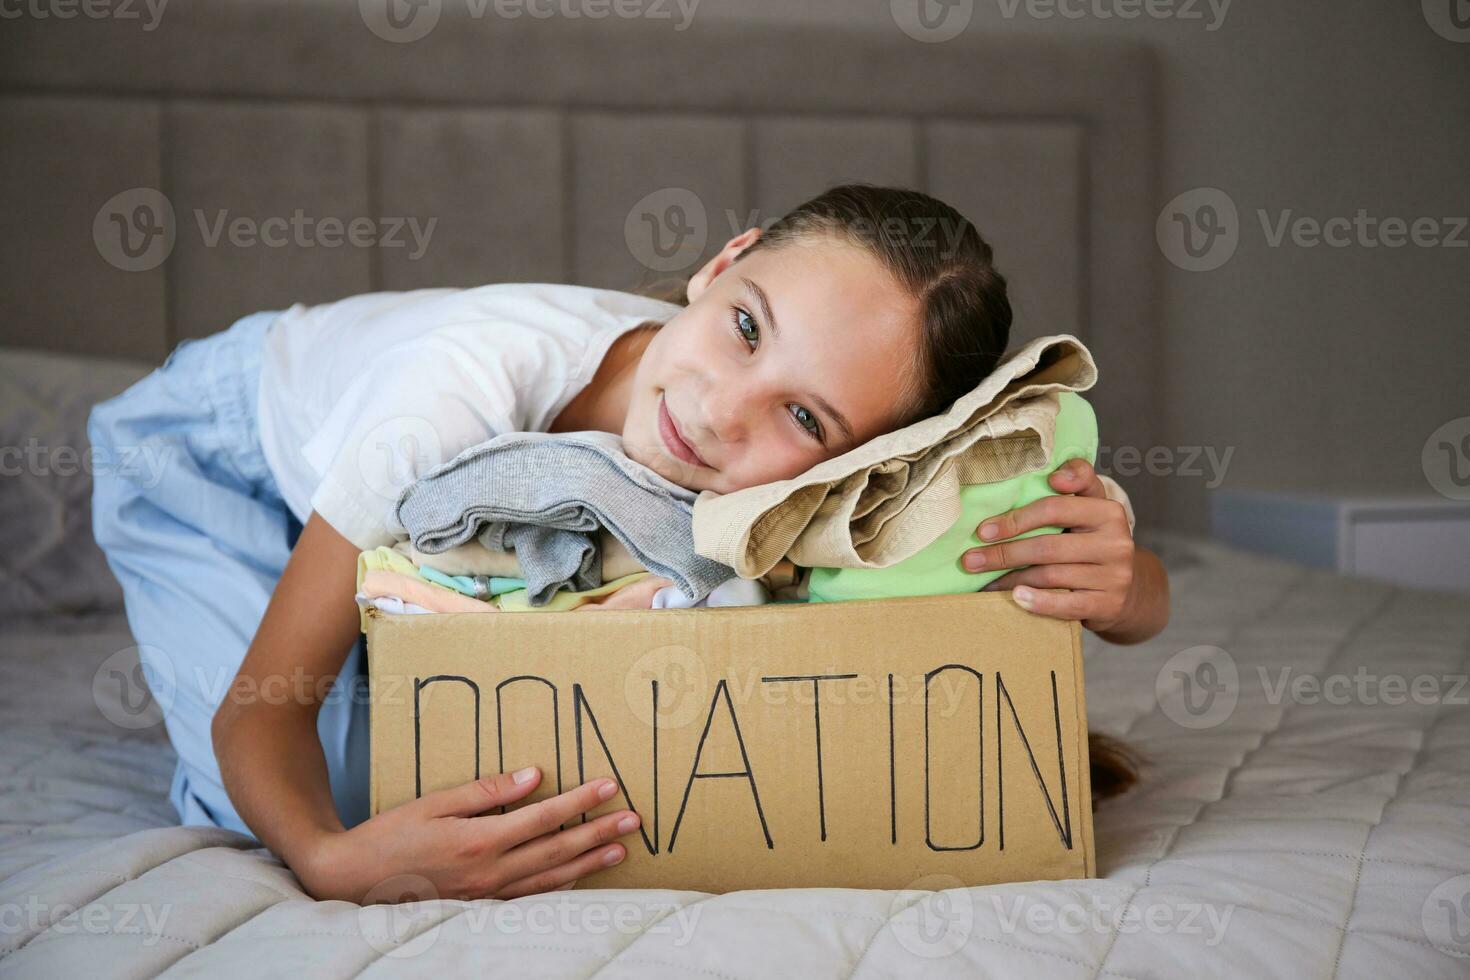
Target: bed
<point>1277,831</point>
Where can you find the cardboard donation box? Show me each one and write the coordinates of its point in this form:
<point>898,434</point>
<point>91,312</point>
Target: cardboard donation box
<point>861,744</point>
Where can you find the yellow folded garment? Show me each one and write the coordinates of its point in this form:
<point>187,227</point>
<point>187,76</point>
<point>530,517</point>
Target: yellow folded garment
<point>385,559</point>
<point>518,601</point>
<point>889,498</point>
<point>420,592</point>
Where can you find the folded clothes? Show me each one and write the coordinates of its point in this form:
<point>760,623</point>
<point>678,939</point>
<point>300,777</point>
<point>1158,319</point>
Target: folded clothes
<point>736,592</point>
<point>545,496</point>
<point>473,558</point>
<point>883,501</point>
<point>389,604</point>
<point>635,595</point>
<point>433,597</point>
<point>563,601</point>
<point>474,586</point>
<point>936,569</point>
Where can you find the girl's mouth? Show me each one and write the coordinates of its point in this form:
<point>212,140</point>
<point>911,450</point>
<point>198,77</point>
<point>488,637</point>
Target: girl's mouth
<point>673,440</point>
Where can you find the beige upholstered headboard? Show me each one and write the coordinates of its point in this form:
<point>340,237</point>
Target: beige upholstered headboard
<point>534,146</point>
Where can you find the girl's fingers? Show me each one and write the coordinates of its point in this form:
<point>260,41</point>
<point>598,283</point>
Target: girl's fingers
<point>1058,605</point>
<point>1048,577</point>
<point>555,850</point>
<point>1044,549</point>
<point>1083,513</point>
<point>474,798</point>
<point>541,818</point>
<point>553,878</point>
<point>1077,476</point>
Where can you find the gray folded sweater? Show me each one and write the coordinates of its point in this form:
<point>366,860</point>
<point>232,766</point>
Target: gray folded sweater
<point>544,496</point>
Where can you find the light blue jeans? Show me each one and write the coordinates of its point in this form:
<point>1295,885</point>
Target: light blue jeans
<point>198,538</point>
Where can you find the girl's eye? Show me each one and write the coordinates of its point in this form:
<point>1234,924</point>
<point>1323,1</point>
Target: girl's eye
<point>803,417</point>
<point>745,327</point>
<point>749,331</point>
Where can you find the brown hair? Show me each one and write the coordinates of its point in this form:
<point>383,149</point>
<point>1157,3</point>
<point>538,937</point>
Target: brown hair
<point>936,254</point>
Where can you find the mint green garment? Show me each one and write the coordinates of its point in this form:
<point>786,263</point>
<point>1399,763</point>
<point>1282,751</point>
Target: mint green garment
<point>936,570</point>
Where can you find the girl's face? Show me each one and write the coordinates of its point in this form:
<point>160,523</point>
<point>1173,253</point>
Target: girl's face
<point>787,358</point>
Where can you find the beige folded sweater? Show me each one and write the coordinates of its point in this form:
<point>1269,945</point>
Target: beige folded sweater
<point>887,499</point>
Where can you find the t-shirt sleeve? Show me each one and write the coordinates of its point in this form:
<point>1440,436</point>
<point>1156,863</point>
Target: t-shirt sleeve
<point>410,410</point>
<point>1116,492</point>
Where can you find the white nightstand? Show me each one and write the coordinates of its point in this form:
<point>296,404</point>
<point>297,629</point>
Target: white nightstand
<point>1420,541</point>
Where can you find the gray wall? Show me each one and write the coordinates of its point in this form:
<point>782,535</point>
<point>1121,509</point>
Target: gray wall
<point>1321,368</point>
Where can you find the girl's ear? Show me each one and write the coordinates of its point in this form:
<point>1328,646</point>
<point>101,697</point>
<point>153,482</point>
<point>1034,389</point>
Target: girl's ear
<point>700,281</point>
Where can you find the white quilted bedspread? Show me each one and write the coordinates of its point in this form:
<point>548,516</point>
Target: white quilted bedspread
<point>1279,832</point>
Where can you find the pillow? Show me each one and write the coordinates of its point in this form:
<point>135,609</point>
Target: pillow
<point>49,561</point>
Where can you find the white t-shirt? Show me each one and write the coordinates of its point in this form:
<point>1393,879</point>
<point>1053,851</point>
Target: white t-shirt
<point>360,397</point>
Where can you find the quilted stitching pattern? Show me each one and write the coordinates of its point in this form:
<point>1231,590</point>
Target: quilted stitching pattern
<point>1321,829</point>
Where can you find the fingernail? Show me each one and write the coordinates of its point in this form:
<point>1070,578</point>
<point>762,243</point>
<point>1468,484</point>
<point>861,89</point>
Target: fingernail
<point>989,531</point>
<point>974,560</point>
<point>628,824</point>
<point>606,789</point>
<point>522,776</point>
<point>612,855</point>
<point>1023,596</point>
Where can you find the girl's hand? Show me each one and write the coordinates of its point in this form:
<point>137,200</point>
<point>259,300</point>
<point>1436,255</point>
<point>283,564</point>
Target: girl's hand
<point>464,851</point>
<point>1093,557</point>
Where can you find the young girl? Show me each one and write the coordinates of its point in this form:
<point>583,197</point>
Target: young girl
<point>289,435</point>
